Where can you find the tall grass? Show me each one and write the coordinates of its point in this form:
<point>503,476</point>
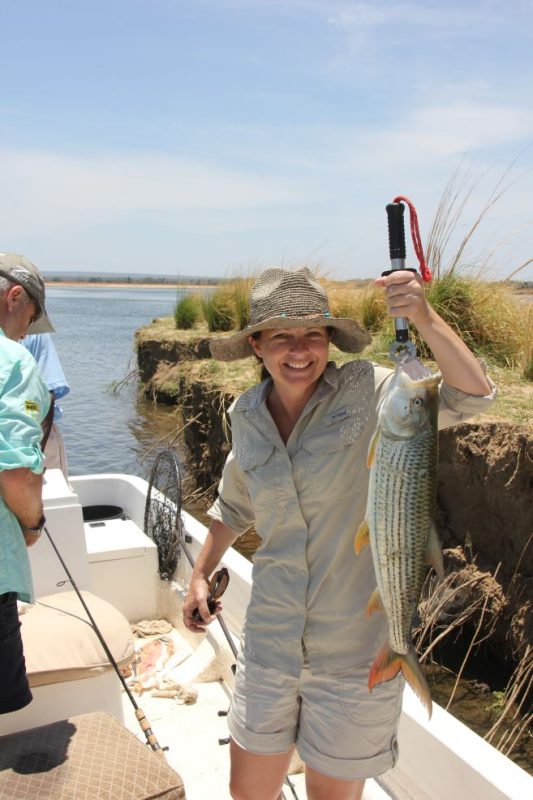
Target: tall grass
<point>240,289</point>
<point>485,314</point>
<point>187,311</point>
<point>450,219</point>
<point>218,310</point>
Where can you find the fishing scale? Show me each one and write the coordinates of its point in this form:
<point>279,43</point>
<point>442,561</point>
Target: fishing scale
<point>402,350</point>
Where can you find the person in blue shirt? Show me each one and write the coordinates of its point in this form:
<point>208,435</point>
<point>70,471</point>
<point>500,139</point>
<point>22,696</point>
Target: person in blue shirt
<point>44,352</point>
<point>24,403</point>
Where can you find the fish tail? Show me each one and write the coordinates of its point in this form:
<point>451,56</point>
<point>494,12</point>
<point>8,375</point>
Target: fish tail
<point>386,666</point>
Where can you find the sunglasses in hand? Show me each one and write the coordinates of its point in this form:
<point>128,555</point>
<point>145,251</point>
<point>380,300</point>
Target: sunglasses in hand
<point>217,586</point>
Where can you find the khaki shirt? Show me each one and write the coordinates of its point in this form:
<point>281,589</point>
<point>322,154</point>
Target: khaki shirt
<point>307,499</point>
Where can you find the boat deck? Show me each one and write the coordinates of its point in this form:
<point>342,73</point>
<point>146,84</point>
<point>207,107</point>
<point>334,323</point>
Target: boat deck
<point>190,733</point>
<point>204,764</point>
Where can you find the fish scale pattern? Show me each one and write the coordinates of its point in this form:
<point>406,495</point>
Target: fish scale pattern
<point>403,491</point>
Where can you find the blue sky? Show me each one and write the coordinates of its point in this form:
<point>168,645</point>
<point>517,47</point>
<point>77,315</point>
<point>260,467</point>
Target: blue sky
<point>216,137</point>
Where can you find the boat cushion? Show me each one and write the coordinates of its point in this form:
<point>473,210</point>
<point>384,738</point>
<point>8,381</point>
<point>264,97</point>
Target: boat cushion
<point>60,643</point>
<point>88,757</point>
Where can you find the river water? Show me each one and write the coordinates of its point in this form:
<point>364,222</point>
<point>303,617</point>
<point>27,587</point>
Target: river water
<point>106,430</point>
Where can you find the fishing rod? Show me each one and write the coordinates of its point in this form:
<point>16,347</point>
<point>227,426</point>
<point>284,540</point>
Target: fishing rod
<point>139,713</point>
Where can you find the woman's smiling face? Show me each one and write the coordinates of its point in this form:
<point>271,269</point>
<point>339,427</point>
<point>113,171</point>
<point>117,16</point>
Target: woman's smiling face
<point>294,357</point>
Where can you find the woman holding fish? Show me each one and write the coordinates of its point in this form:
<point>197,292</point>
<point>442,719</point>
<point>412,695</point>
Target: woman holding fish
<point>298,471</point>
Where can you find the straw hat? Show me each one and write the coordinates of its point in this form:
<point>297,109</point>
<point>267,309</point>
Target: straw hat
<point>283,298</point>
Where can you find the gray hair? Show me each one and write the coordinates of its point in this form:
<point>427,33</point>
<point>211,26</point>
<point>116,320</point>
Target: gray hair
<point>6,285</point>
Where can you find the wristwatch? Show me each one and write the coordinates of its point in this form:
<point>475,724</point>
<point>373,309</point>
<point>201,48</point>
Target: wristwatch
<point>39,527</point>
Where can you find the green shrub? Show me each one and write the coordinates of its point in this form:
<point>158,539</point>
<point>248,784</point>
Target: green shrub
<point>218,311</point>
<point>240,290</point>
<point>187,311</point>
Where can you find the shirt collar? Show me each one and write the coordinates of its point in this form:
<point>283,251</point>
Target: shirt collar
<point>251,400</point>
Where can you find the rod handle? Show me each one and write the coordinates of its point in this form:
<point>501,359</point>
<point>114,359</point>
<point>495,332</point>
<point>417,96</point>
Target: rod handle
<point>148,732</point>
<point>397,251</point>
<point>395,212</point>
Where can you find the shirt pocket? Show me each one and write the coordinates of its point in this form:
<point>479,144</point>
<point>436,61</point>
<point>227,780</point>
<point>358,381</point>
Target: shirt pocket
<point>257,463</point>
<point>335,455</point>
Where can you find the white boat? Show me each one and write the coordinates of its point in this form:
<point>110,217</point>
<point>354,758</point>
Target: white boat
<point>113,559</point>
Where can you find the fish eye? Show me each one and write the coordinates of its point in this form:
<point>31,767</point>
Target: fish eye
<point>418,402</point>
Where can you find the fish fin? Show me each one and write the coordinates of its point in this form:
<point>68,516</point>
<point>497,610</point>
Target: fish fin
<point>415,678</point>
<point>375,603</point>
<point>434,552</point>
<point>386,666</point>
<point>362,537</point>
<point>372,449</point>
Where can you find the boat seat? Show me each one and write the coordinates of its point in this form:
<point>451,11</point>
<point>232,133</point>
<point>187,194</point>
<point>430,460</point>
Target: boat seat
<point>68,670</point>
<point>61,645</point>
<point>87,757</point>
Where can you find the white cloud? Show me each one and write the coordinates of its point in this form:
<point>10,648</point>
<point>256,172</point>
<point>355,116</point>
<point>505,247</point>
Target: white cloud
<point>438,135</point>
<point>46,191</point>
<point>298,189</point>
<point>359,15</point>
<point>408,15</point>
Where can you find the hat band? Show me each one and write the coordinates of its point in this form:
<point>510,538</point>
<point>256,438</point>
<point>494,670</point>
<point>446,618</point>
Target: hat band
<point>324,314</point>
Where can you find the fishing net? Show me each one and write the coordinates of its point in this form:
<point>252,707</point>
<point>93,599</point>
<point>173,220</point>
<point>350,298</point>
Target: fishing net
<point>162,513</point>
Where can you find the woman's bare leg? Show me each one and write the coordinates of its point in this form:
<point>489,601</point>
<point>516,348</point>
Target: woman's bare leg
<point>320,787</point>
<point>257,777</point>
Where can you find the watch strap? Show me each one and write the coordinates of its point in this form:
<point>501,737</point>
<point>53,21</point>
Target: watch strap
<point>38,528</point>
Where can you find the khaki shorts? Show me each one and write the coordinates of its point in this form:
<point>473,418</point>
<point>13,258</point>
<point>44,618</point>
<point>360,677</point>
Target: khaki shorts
<point>339,728</point>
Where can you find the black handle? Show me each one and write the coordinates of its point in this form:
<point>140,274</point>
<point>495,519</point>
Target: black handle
<point>217,586</point>
<point>397,253</point>
<point>395,213</point>
<point>211,604</point>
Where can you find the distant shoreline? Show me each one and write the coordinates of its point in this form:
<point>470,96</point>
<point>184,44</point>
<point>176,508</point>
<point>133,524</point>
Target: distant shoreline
<point>127,285</point>
<point>523,294</point>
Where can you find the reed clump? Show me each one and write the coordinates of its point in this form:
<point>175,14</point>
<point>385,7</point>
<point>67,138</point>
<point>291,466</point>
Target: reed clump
<point>218,310</point>
<point>486,316</point>
<point>239,289</point>
<point>187,312</point>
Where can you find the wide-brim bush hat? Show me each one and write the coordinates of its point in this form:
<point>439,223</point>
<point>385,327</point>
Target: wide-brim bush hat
<point>282,298</point>
<point>18,269</point>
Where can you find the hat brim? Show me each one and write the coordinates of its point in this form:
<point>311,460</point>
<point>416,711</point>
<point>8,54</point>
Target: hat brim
<point>42,325</point>
<point>347,335</point>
